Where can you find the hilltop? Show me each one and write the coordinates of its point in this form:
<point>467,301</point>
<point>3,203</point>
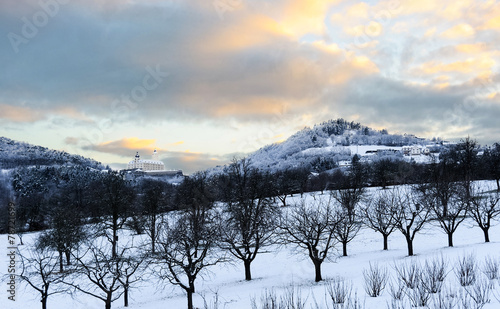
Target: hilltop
<point>327,145</point>
<point>15,154</point>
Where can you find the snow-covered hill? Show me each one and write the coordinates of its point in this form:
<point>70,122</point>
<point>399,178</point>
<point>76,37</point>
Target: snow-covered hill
<point>14,154</point>
<point>327,144</point>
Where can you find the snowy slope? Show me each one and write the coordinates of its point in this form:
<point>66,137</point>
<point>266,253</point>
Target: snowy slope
<point>334,140</point>
<point>14,154</point>
<point>284,266</point>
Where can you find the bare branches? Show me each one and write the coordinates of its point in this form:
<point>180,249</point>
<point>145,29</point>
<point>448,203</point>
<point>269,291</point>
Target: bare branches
<point>411,216</point>
<point>484,208</point>
<point>39,271</point>
<point>188,244</point>
<point>381,213</point>
<point>311,227</point>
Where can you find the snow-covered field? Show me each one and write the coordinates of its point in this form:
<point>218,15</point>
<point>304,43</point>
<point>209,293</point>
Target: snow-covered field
<point>281,267</point>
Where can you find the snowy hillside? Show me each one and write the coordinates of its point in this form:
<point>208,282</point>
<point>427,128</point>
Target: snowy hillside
<point>283,270</point>
<point>325,145</point>
<point>14,154</point>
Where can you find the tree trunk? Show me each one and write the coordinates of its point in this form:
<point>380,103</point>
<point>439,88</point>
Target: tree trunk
<point>386,237</point>
<point>409,242</point>
<point>248,274</point>
<point>450,239</point>
<point>68,257</point>
<point>486,235</point>
<point>498,184</point>
<point>115,240</point>
<point>317,268</point>
<point>125,296</point>
<point>190,299</point>
<point>44,301</point>
<point>61,269</point>
<point>108,303</point>
<point>344,248</point>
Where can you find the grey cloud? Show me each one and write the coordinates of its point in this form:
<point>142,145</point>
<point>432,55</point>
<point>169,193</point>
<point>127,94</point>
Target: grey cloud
<point>420,109</point>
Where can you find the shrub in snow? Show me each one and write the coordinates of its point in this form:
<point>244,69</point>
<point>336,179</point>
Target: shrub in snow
<point>397,289</point>
<point>419,296</point>
<point>490,268</point>
<point>444,299</point>
<point>479,292</point>
<point>397,304</point>
<point>291,299</point>
<point>339,290</point>
<point>434,273</point>
<point>375,279</point>
<point>409,274</point>
<point>466,270</point>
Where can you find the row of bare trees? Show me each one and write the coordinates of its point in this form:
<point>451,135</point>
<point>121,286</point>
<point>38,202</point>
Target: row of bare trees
<point>235,214</point>
<point>199,236</point>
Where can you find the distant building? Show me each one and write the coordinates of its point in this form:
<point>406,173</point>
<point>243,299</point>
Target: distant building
<point>146,165</point>
<point>415,150</point>
<point>153,167</point>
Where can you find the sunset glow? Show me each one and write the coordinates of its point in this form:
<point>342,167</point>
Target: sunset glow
<point>105,79</point>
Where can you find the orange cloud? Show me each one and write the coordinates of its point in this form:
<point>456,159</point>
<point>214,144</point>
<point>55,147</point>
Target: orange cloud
<point>72,113</point>
<point>493,23</point>
<point>177,143</point>
<point>358,10</point>
<point>250,31</point>
<point>471,48</point>
<point>131,143</point>
<point>459,31</point>
<point>468,66</point>
<point>305,16</point>
<point>19,114</point>
<point>255,106</point>
<point>126,147</point>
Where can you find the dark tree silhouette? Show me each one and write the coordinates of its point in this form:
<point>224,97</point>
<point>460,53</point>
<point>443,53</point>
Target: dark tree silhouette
<point>188,245</point>
<point>411,216</point>
<point>39,271</point>
<point>311,227</point>
<point>484,208</point>
<point>249,218</point>
<point>155,199</point>
<point>493,163</point>
<point>348,217</point>
<point>115,195</point>
<point>380,213</point>
<point>447,199</point>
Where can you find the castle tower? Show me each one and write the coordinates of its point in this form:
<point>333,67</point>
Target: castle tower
<point>136,160</point>
<point>155,155</point>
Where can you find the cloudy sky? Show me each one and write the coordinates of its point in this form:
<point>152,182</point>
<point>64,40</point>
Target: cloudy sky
<point>203,80</point>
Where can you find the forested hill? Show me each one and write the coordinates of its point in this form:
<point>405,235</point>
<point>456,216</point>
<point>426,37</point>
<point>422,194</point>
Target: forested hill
<point>14,154</point>
<point>325,144</point>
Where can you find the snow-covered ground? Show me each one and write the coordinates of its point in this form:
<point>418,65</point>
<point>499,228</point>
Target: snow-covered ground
<point>281,267</point>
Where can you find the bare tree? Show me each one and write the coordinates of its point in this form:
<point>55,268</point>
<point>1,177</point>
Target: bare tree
<point>493,163</point>
<point>188,245</point>
<point>116,195</point>
<point>155,196</point>
<point>448,202</point>
<point>411,216</point>
<point>103,273</point>
<point>249,216</point>
<point>348,218</point>
<point>66,233</point>
<point>311,227</point>
<point>39,270</point>
<point>130,269</point>
<point>380,213</point>
<point>483,209</point>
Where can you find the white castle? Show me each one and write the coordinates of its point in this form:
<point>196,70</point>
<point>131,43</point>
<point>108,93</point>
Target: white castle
<point>147,165</point>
